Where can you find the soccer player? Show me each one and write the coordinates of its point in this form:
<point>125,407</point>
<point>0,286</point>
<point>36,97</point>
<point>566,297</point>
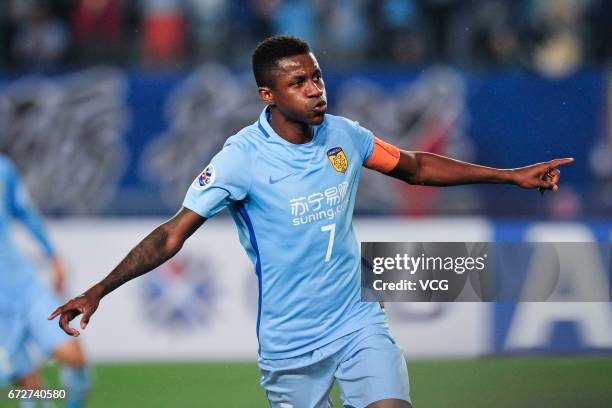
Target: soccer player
<point>289,181</point>
<point>24,301</point>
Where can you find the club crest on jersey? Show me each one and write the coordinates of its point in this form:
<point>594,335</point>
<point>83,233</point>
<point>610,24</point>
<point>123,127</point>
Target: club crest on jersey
<point>206,178</point>
<point>338,159</point>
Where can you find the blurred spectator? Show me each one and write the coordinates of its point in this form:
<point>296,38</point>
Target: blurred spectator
<point>296,17</point>
<point>41,40</point>
<point>397,33</point>
<point>293,17</point>
<point>599,30</point>
<point>262,12</point>
<point>98,28</point>
<point>437,17</point>
<point>210,28</point>
<point>555,37</point>
<point>494,41</point>
<point>244,29</point>
<point>164,32</point>
<point>555,31</point>
<point>345,31</point>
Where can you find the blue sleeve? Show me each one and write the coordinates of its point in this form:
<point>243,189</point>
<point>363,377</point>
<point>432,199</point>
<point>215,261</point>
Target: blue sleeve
<point>226,179</point>
<point>23,209</point>
<point>364,140</point>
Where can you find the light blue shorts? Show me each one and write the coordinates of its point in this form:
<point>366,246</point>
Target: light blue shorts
<point>367,364</point>
<point>26,325</point>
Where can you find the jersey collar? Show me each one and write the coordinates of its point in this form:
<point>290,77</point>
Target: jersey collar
<point>263,124</point>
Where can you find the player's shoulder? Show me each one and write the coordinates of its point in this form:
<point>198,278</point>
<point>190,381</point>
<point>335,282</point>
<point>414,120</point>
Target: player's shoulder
<point>334,122</point>
<point>345,130</point>
<point>348,129</point>
<point>246,140</point>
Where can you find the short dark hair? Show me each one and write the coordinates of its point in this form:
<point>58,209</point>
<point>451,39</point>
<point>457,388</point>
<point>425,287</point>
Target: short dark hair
<point>270,51</point>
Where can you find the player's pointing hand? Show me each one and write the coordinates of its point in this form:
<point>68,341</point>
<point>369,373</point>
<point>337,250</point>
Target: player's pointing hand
<point>544,176</point>
<point>85,304</point>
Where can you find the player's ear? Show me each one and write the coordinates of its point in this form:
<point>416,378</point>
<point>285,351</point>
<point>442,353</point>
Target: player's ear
<point>265,93</point>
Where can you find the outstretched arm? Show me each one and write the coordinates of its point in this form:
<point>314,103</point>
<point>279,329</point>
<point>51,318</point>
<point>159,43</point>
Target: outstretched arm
<point>434,170</point>
<point>24,210</point>
<point>430,169</point>
<point>159,246</point>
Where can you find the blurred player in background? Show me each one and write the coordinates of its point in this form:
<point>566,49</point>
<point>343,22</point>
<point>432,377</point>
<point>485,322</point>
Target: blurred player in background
<point>289,181</point>
<point>24,301</point>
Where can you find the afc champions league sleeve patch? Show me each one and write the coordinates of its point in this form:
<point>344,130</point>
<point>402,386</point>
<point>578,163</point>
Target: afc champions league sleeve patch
<point>338,159</point>
<point>205,179</point>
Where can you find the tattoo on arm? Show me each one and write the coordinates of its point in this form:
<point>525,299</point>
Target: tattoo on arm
<point>159,246</point>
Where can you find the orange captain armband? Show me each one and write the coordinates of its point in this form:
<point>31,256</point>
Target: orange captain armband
<point>384,157</point>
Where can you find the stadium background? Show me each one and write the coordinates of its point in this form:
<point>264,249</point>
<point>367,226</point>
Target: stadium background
<point>110,108</point>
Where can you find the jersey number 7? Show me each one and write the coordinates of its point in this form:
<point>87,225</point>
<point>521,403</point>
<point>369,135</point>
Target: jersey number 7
<point>330,246</point>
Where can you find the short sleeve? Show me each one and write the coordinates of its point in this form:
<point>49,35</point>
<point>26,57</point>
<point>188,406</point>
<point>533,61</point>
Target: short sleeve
<point>364,139</point>
<point>226,179</point>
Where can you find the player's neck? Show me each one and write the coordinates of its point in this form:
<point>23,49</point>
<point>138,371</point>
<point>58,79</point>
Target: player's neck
<point>292,131</point>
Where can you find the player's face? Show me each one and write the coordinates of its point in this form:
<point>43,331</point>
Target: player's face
<point>299,91</point>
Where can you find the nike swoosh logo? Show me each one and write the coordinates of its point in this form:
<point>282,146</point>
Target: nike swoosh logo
<point>274,181</point>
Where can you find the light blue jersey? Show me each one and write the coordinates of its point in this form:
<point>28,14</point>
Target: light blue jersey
<point>293,207</point>
<point>16,273</point>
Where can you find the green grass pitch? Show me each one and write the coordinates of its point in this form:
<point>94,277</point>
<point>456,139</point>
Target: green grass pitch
<point>489,382</point>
